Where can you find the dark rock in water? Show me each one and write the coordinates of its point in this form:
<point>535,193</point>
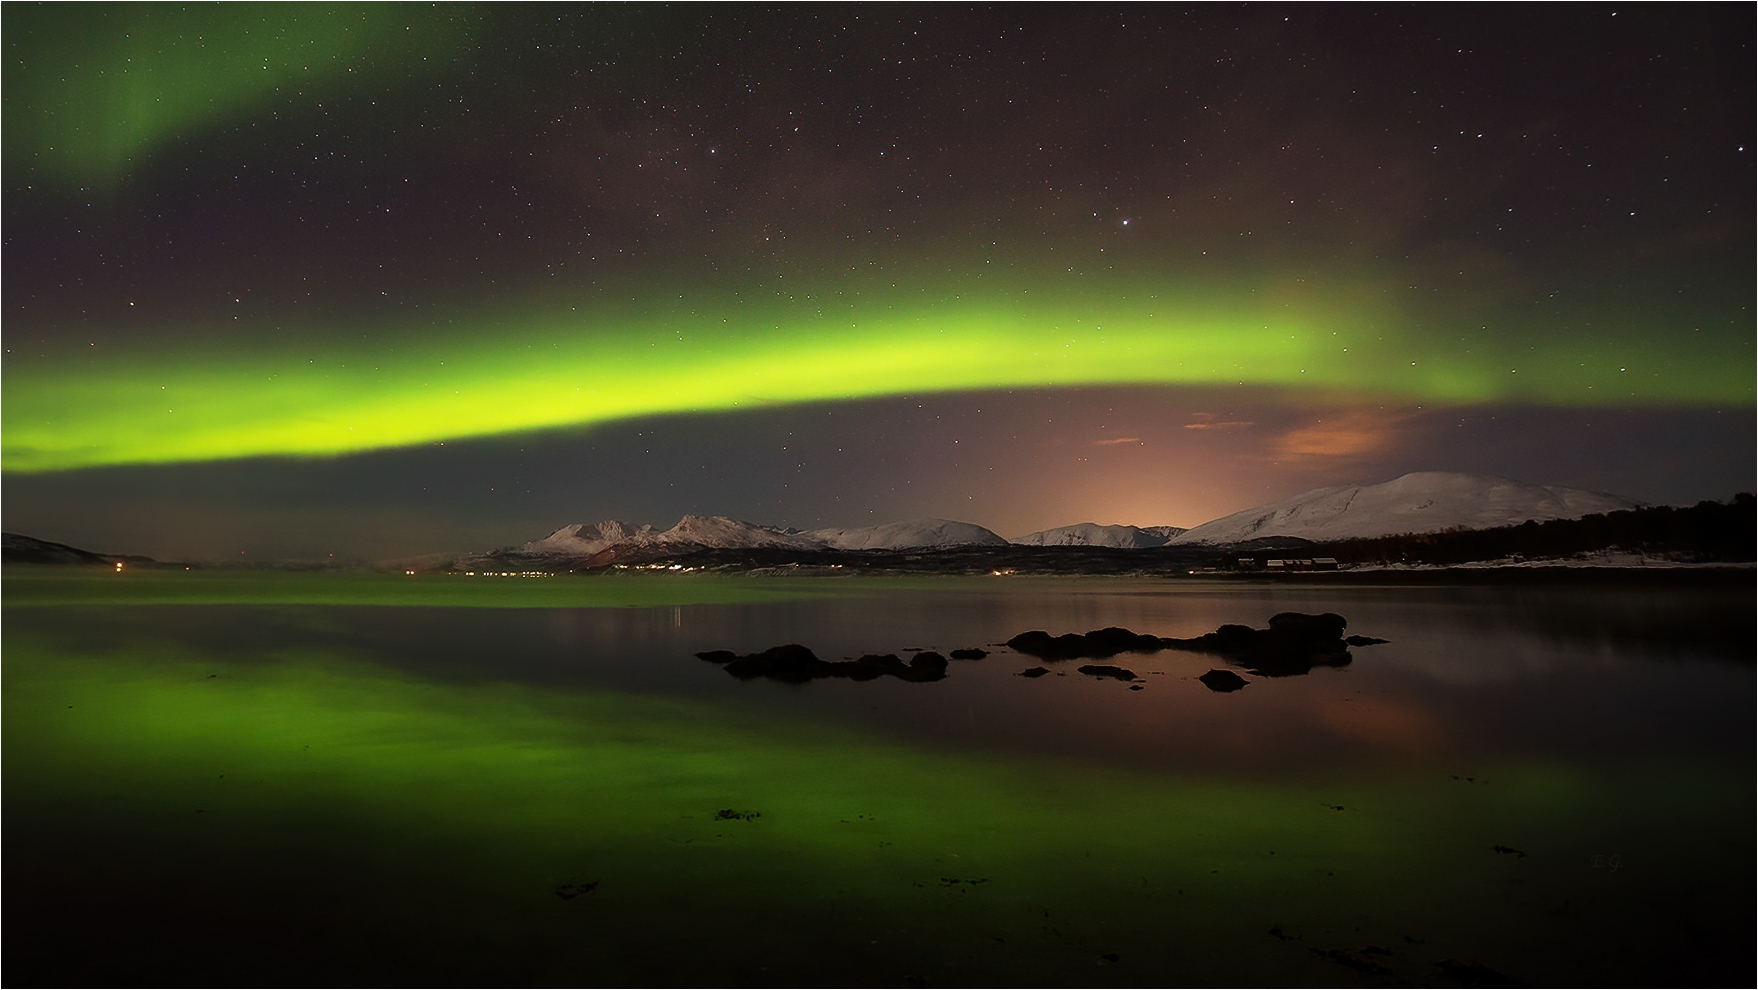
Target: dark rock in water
<point>1223,681</point>
<point>1098,644</point>
<point>921,668</point>
<point>569,891</point>
<point>795,664</point>
<point>1365,641</point>
<point>1294,644</point>
<point>1106,670</point>
<point>1325,627</point>
<point>1230,638</point>
<point>729,815</point>
<point>927,666</point>
<point>1113,640</point>
<point>792,662</point>
<point>1036,643</point>
<point>871,666</point>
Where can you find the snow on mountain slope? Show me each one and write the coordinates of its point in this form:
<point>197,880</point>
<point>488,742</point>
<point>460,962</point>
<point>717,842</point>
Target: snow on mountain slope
<point>583,540</point>
<point>589,538</point>
<point>1095,535</point>
<point>618,540</point>
<point>905,535</point>
<point>719,531</point>
<point>1416,503</point>
<point>1425,502</point>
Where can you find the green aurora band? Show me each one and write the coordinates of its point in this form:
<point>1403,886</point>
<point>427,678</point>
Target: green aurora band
<point>99,91</point>
<point>128,78</point>
<point>313,391</point>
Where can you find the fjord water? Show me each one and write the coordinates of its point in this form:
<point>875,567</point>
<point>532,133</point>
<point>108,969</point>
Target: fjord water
<point>246,780</point>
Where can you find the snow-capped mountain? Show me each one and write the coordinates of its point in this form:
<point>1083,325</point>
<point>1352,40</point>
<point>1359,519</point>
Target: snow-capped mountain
<point>1416,503</point>
<point>589,538</point>
<point>719,531</point>
<point>584,540</point>
<point>905,535</point>
<point>596,544</point>
<point>1095,535</point>
<point>1425,502</point>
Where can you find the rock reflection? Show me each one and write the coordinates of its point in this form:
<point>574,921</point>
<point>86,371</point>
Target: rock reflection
<point>1294,643</point>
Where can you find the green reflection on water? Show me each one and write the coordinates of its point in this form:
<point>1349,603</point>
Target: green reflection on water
<point>320,819</point>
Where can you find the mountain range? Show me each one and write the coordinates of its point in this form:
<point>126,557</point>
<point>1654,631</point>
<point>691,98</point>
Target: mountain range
<point>1094,535</point>
<point>604,543</point>
<point>1424,502</point>
<point>1427,502</point>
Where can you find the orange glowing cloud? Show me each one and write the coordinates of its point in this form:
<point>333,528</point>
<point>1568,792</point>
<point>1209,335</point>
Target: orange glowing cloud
<point>1212,421</point>
<point>1349,433</point>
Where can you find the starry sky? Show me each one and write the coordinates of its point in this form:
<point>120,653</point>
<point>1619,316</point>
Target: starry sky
<point>354,282</point>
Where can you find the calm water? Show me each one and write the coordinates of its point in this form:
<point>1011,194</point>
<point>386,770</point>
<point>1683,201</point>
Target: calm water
<point>1544,784</point>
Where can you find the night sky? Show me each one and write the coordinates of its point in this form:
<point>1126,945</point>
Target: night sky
<point>288,280</point>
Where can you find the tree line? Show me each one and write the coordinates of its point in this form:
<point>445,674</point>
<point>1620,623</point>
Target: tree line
<point>1708,532</point>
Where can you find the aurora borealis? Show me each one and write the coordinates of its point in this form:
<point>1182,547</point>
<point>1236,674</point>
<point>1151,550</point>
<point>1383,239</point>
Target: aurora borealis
<point>368,280</point>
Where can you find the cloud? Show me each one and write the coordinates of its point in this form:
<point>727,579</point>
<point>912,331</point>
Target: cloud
<point>1349,433</point>
<point>1210,421</point>
<point>1109,443</point>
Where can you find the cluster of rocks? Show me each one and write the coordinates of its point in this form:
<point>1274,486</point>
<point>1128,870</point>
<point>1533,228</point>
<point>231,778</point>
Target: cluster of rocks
<point>1096,645</point>
<point>1294,643</point>
<point>796,664</point>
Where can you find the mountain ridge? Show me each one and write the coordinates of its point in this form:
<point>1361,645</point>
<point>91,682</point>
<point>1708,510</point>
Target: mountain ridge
<point>614,541</point>
<point>1420,502</point>
<point>1094,535</point>
<point>1413,504</point>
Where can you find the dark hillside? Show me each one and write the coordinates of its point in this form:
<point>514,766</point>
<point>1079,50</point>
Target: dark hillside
<point>1708,532</point>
